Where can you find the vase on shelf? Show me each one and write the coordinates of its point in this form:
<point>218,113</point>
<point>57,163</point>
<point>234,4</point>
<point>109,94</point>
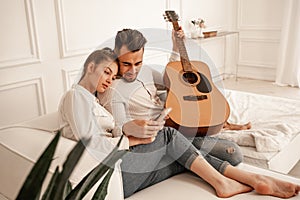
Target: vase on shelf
<point>200,32</point>
<point>197,28</point>
<point>196,32</point>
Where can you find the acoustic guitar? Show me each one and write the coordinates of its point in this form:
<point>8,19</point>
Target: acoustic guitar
<point>199,108</point>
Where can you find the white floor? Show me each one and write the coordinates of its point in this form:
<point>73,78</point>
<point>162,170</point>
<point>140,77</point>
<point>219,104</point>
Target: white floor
<point>266,88</point>
<point>262,87</point>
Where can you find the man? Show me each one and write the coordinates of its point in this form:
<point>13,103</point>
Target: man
<point>133,98</point>
<point>134,102</point>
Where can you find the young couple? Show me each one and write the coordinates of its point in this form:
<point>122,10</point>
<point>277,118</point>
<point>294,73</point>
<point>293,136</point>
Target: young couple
<point>156,152</point>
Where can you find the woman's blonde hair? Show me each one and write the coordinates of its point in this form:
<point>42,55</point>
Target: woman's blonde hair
<point>98,56</point>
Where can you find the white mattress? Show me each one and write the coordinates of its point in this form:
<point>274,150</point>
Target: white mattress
<point>274,139</point>
<point>282,161</point>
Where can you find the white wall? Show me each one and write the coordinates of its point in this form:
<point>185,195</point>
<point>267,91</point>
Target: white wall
<point>259,23</point>
<point>44,43</point>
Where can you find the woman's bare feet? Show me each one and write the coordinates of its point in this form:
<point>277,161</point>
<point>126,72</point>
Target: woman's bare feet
<point>228,126</point>
<point>228,187</point>
<point>269,186</point>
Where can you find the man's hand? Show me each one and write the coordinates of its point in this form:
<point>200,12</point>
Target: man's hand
<point>142,128</point>
<point>136,141</point>
<point>180,34</point>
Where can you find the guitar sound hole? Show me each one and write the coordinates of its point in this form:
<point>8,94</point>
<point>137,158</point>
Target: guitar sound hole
<point>190,77</point>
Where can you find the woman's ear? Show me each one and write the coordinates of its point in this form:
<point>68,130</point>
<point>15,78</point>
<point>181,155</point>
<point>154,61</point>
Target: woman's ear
<point>90,67</point>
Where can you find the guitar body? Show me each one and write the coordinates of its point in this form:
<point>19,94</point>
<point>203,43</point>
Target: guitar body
<point>199,108</point>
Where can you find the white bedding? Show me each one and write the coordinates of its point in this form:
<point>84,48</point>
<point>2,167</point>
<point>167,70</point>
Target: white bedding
<point>275,120</point>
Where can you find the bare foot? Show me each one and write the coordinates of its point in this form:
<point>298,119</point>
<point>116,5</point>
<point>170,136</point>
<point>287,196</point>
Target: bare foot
<point>269,186</point>
<point>228,126</point>
<point>229,187</point>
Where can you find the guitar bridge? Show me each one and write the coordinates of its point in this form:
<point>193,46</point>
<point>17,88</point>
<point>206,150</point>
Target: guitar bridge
<point>194,98</point>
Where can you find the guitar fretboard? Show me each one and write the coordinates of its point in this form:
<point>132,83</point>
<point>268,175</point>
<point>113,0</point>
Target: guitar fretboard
<point>184,58</point>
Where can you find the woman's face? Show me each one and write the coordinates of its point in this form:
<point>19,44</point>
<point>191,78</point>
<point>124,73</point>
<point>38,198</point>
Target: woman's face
<point>107,74</point>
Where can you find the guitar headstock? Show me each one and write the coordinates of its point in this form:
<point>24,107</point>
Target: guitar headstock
<point>171,16</point>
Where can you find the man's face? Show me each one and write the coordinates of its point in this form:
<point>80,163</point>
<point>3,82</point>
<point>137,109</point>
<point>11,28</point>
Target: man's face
<point>130,63</point>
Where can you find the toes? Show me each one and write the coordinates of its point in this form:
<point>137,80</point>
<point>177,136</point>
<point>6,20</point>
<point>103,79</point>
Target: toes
<point>297,189</point>
<point>248,125</point>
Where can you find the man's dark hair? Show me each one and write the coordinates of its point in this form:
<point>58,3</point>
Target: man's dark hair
<point>132,39</point>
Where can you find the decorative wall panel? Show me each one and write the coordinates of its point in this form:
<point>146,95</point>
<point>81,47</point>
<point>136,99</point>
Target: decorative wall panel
<point>70,77</point>
<point>260,14</point>
<point>18,41</point>
<point>99,21</point>
<point>22,101</point>
<point>258,52</point>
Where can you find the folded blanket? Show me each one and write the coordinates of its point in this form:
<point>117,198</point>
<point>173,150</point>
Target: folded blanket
<point>275,120</point>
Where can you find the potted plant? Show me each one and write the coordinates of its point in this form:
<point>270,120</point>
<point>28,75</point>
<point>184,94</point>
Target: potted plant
<point>59,187</point>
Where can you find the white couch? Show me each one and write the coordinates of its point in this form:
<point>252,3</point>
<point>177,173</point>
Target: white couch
<point>22,144</point>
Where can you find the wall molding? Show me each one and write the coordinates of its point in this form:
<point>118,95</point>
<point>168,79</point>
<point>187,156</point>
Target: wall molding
<point>65,50</point>
<point>258,63</point>
<point>40,91</point>
<point>253,72</point>
<point>34,56</point>
<point>255,65</point>
<point>68,77</point>
<point>244,27</point>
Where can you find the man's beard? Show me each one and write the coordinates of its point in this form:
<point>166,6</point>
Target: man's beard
<point>129,78</point>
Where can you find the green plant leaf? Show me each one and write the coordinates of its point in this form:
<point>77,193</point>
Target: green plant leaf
<point>49,190</point>
<point>91,179</point>
<point>68,167</point>
<point>93,176</point>
<point>38,195</point>
<point>34,181</point>
<point>101,191</point>
<point>67,190</point>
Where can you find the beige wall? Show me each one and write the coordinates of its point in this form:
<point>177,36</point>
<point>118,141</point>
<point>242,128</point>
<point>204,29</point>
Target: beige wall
<point>44,43</point>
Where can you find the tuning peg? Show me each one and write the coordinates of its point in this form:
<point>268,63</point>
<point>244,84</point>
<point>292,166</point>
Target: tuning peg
<point>165,17</point>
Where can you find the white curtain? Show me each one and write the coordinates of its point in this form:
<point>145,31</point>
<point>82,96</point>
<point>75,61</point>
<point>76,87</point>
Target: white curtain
<point>288,69</point>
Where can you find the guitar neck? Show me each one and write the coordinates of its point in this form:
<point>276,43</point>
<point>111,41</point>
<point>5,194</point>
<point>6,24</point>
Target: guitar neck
<point>184,58</point>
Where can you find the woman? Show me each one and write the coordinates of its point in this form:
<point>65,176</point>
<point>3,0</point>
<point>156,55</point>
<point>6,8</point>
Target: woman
<point>80,112</point>
<point>82,116</point>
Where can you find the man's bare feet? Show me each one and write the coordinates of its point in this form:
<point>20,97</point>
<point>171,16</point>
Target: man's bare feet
<point>269,186</point>
<point>229,187</point>
<point>228,126</point>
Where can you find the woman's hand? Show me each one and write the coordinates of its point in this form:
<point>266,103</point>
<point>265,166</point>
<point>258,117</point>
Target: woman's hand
<point>136,141</point>
<point>142,128</point>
